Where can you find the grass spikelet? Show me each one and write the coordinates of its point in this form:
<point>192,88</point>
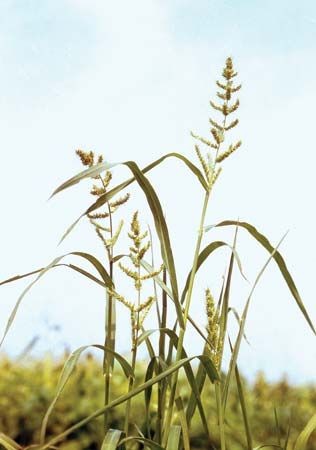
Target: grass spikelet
<point>203,140</point>
<point>103,215</point>
<point>101,237</point>
<point>121,299</point>
<point>231,149</point>
<point>216,124</point>
<point>87,158</point>
<point>202,161</point>
<point>113,240</point>
<point>233,124</point>
<point>213,330</point>
<point>98,191</point>
<point>228,71</point>
<point>216,107</point>
<point>120,201</point>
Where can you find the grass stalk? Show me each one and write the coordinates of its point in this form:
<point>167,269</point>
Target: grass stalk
<point>135,329</point>
<point>220,415</point>
<point>108,329</point>
<point>162,356</point>
<point>185,318</point>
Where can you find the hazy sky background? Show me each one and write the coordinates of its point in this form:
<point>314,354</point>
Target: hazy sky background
<point>130,80</point>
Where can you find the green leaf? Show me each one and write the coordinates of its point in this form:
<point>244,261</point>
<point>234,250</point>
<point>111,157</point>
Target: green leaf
<point>98,266</point>
<point>67,371</point>
<point>162,232</point>
<point>71,266</point>
<point>106,197</point>
<point>8,443</point>
<point>153,364</point>
<point>99,168</point>
<point>94,261</point>
<point>174,438</point>
<point>91,172</point>
<point>205,253</point>
<point>301,442</point>
<point>147,442</point>
<point>206,363</point>
<point>278,259</point>
<point>233,360</point>
<point>111,439</point>
<point>122,399</point>
<point>243,405</point>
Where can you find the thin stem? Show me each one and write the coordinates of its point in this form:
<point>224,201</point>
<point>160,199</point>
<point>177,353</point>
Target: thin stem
<point>130,386</point>
<point>185,319</point>
<point>135,329</point>
<point>220,415</point>
<point>108,327</point>
<point>162,384</point>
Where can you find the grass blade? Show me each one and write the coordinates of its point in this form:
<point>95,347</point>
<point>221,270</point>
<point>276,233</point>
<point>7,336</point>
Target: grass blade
<point>67,371</point>
<point>137,390</point>
<point>106,197</point>
<point>205,253</point>
<point>91,172</point>
<point>111,439</point>
<point>278,259</point>
<point>162,231</point>
<point>235,353</point>
<point>94,261</point>
<point>8,443</point>
<point>147,442</point>
<point>243,406</point>
<point>303,437</point>
<point>189,374</point>
<point>174,438</point>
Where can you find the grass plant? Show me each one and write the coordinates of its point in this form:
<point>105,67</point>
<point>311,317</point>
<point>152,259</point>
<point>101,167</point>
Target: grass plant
<point>171,403</point>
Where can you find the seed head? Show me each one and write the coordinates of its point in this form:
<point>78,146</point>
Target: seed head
<point>87,158</point>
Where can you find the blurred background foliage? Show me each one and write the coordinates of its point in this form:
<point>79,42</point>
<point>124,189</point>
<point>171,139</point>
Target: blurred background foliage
<point>27,387</point>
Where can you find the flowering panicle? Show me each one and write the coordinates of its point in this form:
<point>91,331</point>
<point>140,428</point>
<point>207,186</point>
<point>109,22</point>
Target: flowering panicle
<point>218,130</point>
<point>213,329</point>
<point>137,252</point>
<point>139,309</point>
<point>106,234</point>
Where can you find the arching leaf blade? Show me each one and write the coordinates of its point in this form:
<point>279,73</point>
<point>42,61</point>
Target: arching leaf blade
<point>8,443</point>
<point>67,371</point>
<point>87,173</point>
<point>122,399</point>
<point>278,259</point>
<point>106,197</point>
<point>301,442</point>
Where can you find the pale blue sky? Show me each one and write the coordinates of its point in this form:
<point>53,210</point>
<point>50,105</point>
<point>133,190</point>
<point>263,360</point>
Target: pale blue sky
<point>130,80</point>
